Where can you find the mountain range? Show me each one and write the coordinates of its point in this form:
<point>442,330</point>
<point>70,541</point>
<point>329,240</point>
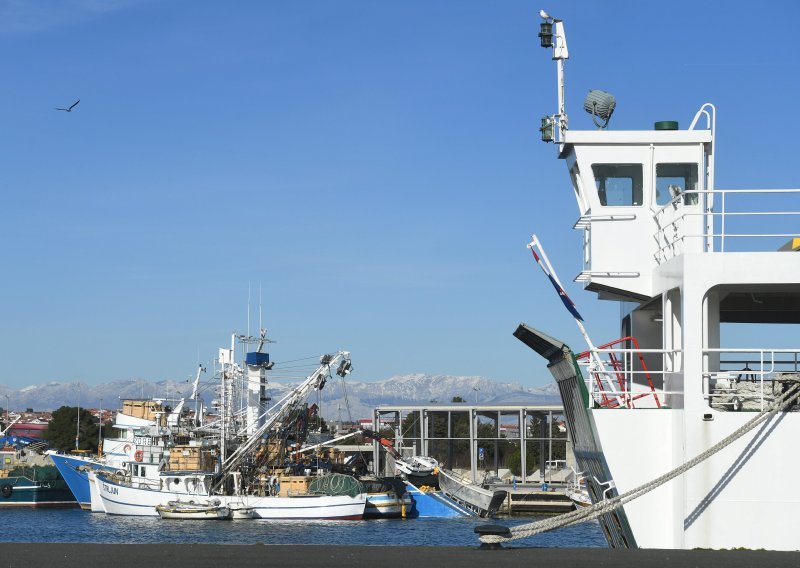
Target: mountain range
<point>355,401</point>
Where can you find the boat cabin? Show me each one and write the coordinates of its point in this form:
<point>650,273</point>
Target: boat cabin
<point>628,184</point>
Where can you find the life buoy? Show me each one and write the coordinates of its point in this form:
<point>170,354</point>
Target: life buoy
<point>6,490</point>
<point>127,449</point>
<point>138,456</point>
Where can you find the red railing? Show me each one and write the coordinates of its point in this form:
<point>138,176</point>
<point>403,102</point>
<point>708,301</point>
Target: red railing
<point>624,397</point>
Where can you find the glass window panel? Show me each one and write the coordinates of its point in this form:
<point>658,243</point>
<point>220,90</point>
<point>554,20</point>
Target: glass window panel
<point>675,179</point>
<point>618,185</point>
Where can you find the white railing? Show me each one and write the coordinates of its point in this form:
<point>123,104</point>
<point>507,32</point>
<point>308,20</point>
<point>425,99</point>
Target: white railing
<point>736,379</point>
<point>732,219</point>
<point>622,378</point>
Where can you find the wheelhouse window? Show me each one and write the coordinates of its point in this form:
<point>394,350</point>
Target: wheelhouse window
<point>675,179</point>
<point>618,185</point>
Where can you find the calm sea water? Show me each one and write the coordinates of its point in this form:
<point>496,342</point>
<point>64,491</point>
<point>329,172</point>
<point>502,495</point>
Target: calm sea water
<point>74,525</point>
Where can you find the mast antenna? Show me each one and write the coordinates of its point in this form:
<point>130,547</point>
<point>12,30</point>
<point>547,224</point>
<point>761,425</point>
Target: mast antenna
<point>552,35</point>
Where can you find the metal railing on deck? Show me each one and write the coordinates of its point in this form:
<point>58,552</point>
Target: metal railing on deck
<point>744,379</point>
<point>618,377</point>
<point>726,219</point>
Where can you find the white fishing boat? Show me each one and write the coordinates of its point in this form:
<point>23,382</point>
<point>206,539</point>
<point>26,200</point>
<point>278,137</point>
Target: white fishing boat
<point>675,423</point>
<point>120,498</point>
<point>231,473</point>
<point>194,510</point>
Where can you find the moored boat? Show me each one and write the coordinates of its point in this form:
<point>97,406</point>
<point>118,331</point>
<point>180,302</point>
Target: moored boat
<point>120,497</point>
<point>191,510</point>
<point>676,422</point>
<point>482,500</point>
<point>27,481</point>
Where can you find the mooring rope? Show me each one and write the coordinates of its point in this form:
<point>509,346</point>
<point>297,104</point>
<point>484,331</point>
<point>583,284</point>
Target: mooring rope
<point>606,506</point>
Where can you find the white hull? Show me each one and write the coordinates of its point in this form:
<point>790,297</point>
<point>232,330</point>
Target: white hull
<point>729,501</point>
<point>120,499</point>
<point>95,502</point>
<point>239,512</point>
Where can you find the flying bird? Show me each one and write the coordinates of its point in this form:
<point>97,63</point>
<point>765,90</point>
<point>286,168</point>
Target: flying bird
<point>72,106</point>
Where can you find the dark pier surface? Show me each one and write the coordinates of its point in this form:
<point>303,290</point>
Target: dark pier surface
<point>16,555</point>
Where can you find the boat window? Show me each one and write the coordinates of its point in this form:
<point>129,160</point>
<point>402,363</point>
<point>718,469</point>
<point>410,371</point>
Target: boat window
<point>618,185</point>
<point>575,174</point>
<point>673,180</point>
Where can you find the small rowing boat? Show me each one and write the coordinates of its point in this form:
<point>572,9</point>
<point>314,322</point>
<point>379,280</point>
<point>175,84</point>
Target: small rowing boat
<point>209,510</point>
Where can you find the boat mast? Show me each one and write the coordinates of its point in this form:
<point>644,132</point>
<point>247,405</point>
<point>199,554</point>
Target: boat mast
<point>557,40</point>
<point>78,421</point>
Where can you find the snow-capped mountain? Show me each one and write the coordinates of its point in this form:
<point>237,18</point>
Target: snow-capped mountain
<point>334,401</point>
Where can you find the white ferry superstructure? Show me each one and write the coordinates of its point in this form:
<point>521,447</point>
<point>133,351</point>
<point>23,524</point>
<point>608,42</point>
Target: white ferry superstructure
<point>682,257</point>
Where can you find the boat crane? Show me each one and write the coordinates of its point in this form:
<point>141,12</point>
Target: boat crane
<point>283,408</point>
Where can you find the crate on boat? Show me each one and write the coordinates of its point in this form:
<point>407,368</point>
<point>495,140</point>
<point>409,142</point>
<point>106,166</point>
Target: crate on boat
<point>191,458</point>
<point>294,485</point>
<point>145,409</point>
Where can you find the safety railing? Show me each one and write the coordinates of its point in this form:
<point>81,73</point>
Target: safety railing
<point>726,220</point>
<point>747,379</point>
<point>620,377</point>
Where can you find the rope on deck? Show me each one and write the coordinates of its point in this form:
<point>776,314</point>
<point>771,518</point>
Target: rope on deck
<point>782,402</point>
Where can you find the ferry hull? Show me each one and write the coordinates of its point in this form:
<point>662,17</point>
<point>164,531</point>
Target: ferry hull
<point>731,500</point>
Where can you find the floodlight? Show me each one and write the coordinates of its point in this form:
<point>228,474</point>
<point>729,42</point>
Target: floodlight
<point>600,104</point>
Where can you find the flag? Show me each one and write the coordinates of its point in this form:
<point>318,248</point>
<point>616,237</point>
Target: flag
<point>565,299</point>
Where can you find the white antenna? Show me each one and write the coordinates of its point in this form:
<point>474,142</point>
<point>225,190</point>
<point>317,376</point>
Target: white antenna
<point>248,308</point>
<point>547,35</point>
<point>260,324</point>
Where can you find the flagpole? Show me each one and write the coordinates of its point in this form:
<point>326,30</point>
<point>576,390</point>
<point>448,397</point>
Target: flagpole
<point>595,362</point>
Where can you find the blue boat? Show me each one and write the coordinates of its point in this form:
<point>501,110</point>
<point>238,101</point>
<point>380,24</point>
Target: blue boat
<point>434,504</point>
<point>74,471</point>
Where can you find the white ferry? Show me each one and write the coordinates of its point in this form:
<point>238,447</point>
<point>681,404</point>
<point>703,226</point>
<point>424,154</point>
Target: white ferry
<point>686,260</point>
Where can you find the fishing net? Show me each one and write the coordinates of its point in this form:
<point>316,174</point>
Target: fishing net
<point>336,484</point>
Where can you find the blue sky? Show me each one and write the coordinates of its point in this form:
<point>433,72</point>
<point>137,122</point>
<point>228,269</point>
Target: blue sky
<point>374,166</point>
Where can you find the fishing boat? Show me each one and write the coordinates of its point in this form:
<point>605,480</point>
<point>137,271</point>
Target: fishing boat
<point>120,497</point>
<point>148,428</point>
<point>26,480</point>
<point>387,498</point>
<point>228,464</point>
<point>675,424</point>
<point>483,501</point>
<point>191,510</point>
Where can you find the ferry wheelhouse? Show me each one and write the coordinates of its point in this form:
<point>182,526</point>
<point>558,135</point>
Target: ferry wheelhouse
<point>687,261</point>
